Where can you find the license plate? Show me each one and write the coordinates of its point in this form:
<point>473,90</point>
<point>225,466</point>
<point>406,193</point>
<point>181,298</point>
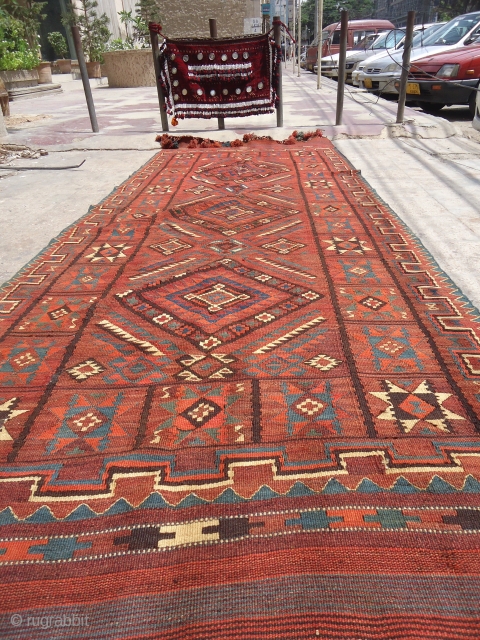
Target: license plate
<point>368,83</point>
<point>413,87</point>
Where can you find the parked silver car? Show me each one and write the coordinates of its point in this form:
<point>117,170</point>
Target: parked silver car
<point>379,75</point>
<point>370,45</point>
<point>422,32</point>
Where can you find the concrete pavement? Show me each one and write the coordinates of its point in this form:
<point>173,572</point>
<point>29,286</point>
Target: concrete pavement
<point>425,169</point>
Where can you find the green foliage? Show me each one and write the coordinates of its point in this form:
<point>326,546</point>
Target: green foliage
<point>94,31</point>
<point>147,11</point>
<point>58,43</point>
<point>136,26</point>
<point>448,9</point>
<point>29,13</point>
<point>357,9</point>
<point>15,51</point>
<point>117,44</point>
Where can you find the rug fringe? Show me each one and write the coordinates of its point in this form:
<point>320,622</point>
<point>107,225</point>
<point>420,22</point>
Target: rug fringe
<point>193,142</point>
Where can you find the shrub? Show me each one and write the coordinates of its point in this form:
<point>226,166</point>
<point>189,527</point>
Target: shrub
<point>15,52</point>
<point>58,43</point>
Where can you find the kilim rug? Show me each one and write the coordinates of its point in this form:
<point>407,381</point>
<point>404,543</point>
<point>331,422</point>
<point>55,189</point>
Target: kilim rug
<point>239,400</point>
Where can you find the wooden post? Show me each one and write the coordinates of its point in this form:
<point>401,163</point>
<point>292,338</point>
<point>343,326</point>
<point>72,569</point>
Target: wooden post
<point>320,43</point>
<point>299,34</point>
<point>213,34</point>
<point>277,35</point>
<point>341,65</point>
<point>293,31</point>
<point>86,82</point>
<point>402,91</point>
<point>156,66</point>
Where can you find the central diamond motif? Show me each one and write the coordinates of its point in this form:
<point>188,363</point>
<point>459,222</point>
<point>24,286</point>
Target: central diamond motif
<point>201,412</point>
<point>233,216</point>
<point>217,297</point>
<point>372,303</point>
<point>217,304</point>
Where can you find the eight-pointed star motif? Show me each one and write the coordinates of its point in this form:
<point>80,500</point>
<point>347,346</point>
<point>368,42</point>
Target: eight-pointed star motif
<point>408,408</point>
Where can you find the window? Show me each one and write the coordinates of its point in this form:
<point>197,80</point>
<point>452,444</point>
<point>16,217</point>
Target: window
<point>357,36</point>
<point>336,37</point>
<point>453,31</point>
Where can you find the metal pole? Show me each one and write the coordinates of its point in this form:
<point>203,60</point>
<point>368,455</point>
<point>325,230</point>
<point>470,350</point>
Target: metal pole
<point>299,34</point>
<point>213,34</point>
<point>341,65</point>
<point>86,82</point>
<point>402,91</point>
<point>277,35</point>
<point>293,31</point>
<point>156,66</point>
<point>320,43</point>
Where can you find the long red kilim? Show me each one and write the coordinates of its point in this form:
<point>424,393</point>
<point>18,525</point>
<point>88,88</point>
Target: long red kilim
<point>239,400</point>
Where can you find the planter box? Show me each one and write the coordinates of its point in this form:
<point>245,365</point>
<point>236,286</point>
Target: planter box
<point>18,79</point>
<point>44,73</point>
<point>131,68</point>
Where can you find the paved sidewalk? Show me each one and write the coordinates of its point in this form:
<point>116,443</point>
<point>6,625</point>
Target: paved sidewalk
<point>424,169</point>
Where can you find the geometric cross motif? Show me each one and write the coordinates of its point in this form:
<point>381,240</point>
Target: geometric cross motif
<point>200,415</point>
<point>226,246</point>
<point>352,245</point>
<point>201,366</point>
<point>85,428</point>
<point>170,246</point>
<point>86,369</point>
<point>216,298</point>
<point>408,408</point>
<point>108,252</point>
<point>323,362</point>
<point>59,548</point>
<point>283,246</point>
<point>372,303</point>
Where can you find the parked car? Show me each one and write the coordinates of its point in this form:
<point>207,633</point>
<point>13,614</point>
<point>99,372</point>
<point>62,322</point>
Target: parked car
<point>422,31</point>
<point>380,75</point>
<point>357,30</point>
<point>457,74</point>
<point>371,44</point>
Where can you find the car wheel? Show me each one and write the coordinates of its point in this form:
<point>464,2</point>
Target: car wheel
<point>471,102</point>
<point>431,107</point>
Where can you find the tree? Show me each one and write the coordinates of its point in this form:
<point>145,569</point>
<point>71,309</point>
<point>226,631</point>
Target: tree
<point>94,31</point>
<point>331,11</point>
<point>29,13</point>
<point>448,9</point>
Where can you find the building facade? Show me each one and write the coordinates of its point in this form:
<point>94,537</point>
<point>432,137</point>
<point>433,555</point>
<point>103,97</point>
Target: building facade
<point>396,11</point>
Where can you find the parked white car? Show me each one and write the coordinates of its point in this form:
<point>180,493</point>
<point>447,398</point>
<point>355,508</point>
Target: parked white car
<point>476,118</point>
<point>380,74</point>
<point>371,44</point>
<point>422,31</point>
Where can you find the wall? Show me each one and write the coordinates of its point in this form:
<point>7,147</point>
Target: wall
<point>189,18</point>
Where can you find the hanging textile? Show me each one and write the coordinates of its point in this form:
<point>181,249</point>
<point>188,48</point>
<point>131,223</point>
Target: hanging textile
<point>206,78</point>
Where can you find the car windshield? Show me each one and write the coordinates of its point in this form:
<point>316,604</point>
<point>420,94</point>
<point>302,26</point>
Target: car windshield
<point>422,34</point>
<point>453,31</point>
<point>365,42</point>
<point>389,39</point>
